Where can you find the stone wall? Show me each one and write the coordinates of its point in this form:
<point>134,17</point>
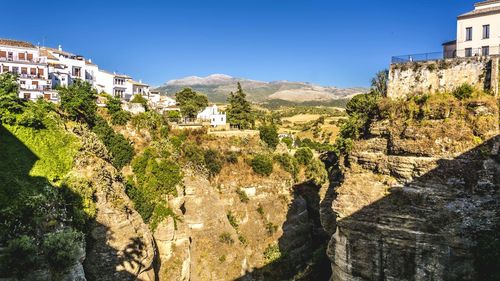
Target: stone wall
<point>443,76</point>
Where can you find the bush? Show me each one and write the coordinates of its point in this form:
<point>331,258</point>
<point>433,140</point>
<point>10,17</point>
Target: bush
<point>288,141</point>
<point>141,100</point>
<point>269,135</point>
<point>232,220</point>
<point>174,115</point>
<point>271,228</point>
<point>62,249</point>
<point>288,163</point>
<point>120,117</point>
<point>114,105</point>
<point>316,172</point>
<point>121,149</point>
<point>464,91</point>
<point>262,165</point>
<point>194,154</point>
<point>272,253</point>
<point>213,162</point>
<point>79,102</point>
<point>20,255</point>
<point>226,238</point>
<point>304,155</point>
<point>242,195</point>
<point>232,157</point>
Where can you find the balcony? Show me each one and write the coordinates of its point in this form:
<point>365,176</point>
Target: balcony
<point>31,76</point>
<point>34,87</point>
<point>18,60</point>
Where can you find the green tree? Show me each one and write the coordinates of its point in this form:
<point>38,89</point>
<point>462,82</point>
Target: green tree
<point>262,165</point>
<point>190,102</point>
<point>239,111</point>
<point>140,100</point>
<point>79,102</point>
<point>20,255</point>
<point>114,105</point>
<point>62,248</point>
<point>304,155</point>
<point>380,81</point>
<point>269,134</point>
<point>9,99</point>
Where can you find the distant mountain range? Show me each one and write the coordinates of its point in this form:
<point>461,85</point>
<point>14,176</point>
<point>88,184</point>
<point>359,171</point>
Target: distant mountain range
<point>218,86</point>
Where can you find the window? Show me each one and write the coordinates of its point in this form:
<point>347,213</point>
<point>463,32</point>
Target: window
<point>24,70</point>
<point>26,96</point>
<point>485,50</point>
<point>5,68</point>
<point>468,34</point>
<point>468,52</point>
<point>22,56</point>
<point>486,31</point>
<point>15,69</point>
<point>3,54</point>
<point>33,71</point>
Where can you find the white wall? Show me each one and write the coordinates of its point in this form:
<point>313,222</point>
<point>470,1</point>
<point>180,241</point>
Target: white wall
<point>477,41</point>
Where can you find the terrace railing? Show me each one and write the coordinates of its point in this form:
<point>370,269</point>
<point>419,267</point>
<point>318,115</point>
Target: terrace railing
<point>470,52</point>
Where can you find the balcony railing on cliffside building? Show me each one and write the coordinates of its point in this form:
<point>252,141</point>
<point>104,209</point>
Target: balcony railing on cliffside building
<point>470,52</point>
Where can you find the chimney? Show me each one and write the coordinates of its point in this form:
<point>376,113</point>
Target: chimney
<point>60,47</point>
<point>90,60</point>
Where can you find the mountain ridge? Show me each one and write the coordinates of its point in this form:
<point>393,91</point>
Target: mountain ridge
<point>218,86</point>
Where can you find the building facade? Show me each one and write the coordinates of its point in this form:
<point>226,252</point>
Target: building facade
<point>41,70</point>
<point>24,60</point>
<point>213,115</point>
<point>478,31</point>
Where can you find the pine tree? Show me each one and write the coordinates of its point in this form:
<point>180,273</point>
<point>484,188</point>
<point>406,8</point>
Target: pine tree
<point>239,111</point>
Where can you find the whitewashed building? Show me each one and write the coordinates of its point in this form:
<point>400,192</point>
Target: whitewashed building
<point>211,114</point>
<point>24,59</point>
<point>478,32</point>
<point>114,84</point>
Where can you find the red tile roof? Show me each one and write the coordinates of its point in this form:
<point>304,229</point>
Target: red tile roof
<point>16,43</point>
<point>481,12</point>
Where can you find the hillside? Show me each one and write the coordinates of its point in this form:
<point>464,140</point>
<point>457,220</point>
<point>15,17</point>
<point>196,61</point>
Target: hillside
<point>218,86</point>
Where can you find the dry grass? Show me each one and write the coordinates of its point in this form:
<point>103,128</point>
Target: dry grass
<point>302,118</point>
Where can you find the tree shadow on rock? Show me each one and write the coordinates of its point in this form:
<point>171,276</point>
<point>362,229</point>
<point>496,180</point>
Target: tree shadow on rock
<point>301,248</point>
<point>61,208</point>
<point>440,225</point>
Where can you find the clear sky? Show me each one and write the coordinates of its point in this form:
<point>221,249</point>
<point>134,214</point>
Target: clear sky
<point>328,42</point>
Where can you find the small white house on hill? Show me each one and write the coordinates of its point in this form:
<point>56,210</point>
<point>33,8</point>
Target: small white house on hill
<point>211,114</point>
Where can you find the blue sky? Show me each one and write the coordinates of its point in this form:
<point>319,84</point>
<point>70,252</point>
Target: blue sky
<point>328,42</point>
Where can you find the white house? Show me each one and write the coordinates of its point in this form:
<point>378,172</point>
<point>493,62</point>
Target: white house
<point>24,59</point>
<point>211,114</point>
<point>113,84</point>
<point>478,31</point>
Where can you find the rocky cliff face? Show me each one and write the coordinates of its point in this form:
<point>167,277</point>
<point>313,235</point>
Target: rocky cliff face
<point>120,245</point>
<point>233,232</point>
<point>417,201</point>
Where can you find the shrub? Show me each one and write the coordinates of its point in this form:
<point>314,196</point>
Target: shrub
<point>272,253</point>
<point>463,91</point>
<point>269,135</point>
<point>271,228</point>
<point>242,195</point>
<point>78,101</point>
<point>262,165</point>
<point>213,162</point>
<point>232,220</point>
<point>260,210</point>
<point>120,117</point>
<point>194,154</point>
<point>121,149</point>
<point>226,238</point>
<point>288,163</point>
<point>243,240</point>
<point>174,115</point>
<point>114,105</point>
<point>232,157</point>
<point>288,141</point>
<point>62,249</point>
<point>141,100</point>
<point>316,172</point>
<point>20,255</point>
<point>304,155</point>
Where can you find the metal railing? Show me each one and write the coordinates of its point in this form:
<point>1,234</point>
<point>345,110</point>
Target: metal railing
<point>25,60</point>
<point>469,52</point>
